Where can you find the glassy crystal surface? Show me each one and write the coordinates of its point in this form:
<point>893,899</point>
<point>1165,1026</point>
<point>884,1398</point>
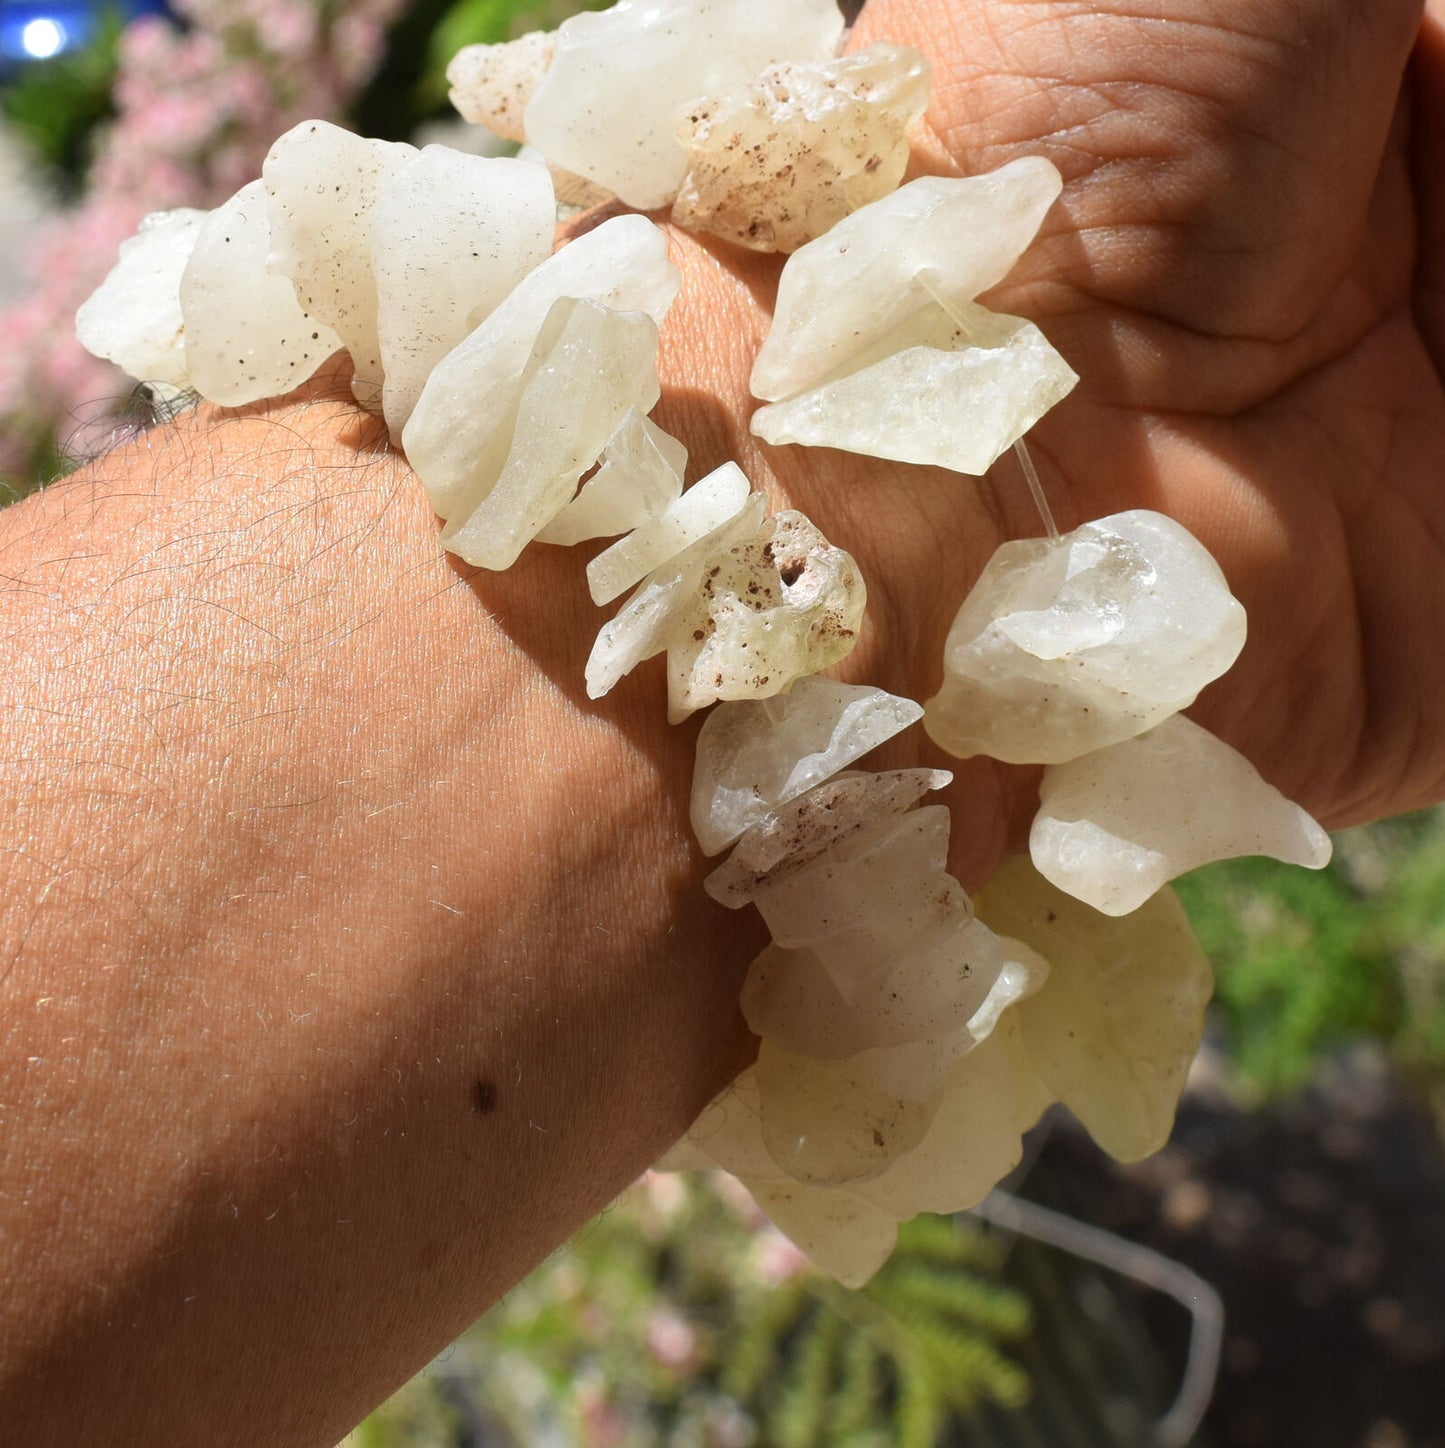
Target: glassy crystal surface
<point>1115,825</point>
<point>775,163</point>
<point>322,185</point>
<point>754,755</point>
<point>491,84</point>
<point>1064,648</point>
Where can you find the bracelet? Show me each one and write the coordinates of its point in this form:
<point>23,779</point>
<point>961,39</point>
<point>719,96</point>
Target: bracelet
<point>908,1035</point>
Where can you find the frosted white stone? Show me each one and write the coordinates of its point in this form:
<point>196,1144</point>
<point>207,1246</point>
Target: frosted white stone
<point>1115,1027</point>
<point>775,163</point>
<point>605,106</point>
<point>951,390</point>
<point>589,366</point>
<point>1061,649</point>
<point>1115,825</point>
<point>709,503</point>
<point>650,620</point>
<point>451,235</point>
<point>753,756</point>
<point>640,474</point>
<point>460,432</point>
<point>322,183</point>
<point>848,289</point>
<point>828,1123</point>
<point>134,317</point>
<point>491,84</point>
<point>246,335</point>
<point>804,827</point>
<point>770,610</point>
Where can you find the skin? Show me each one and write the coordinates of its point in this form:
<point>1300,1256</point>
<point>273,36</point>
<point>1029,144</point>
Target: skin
<point>350,957</point>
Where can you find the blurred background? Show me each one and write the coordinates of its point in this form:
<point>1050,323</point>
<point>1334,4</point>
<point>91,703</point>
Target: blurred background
<point>1304,1189</point>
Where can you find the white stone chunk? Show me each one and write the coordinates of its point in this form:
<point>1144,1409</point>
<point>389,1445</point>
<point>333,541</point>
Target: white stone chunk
<point>491,84</point>
<point>460,432</point>
<point>589,366</point>
<point>854,285</point>
<point>1114,1029</point>
<point>639,476</point>
<point>651,619</point>
<point>322,183</point>
<point>931,391</point>
<point>806,826</point>
<point>246,335</point>
<point>753,756</point>
<point>1115,825</point>
<point>770,610</point>
<point>709,503</point>
<point>134,317</point>
<point>605,107</point>
<point>1061,649</point>
<point>842,1234</point>
<point>451,235</point>
<point>775,163</point>
<point>827,1123</point>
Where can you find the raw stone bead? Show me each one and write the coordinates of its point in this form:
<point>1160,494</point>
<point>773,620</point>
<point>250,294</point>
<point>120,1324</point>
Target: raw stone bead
<point>451,236</point>
<point>774,164</point>
<point>854,286</point>
<point>457,447</point>
<point>605,106</point>
<point>134,317</point>
<point>640,475</point>
<point>753,755</point>
<point>491,84</point>
<point>589,366</point>
<point>770,610</point>
<point>247,336</point>
<point>1113,1033</point>
<point>1063,648</point>
<point>806,826</point>
<point>949,388</point>
<point>1115,825</point>
<point>322,184</point>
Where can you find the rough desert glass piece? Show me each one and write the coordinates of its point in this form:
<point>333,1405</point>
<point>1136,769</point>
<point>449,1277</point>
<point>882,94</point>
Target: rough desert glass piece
<point>247,336</point>
<point>803,828</point>
<point>770,610</point>
<point>639,476</point>
<point>775,163</point>
<point>491,84</point>
<point>322,183</point>
<point>1114,1029</point>
<point>1063,648</point>
<point>606,104</point>
<point>451,235</point>
<point>846,290</point>
<point>134,317</point>
<point>753,756</point>
<point>709,503</point>
<point>951,388</point>
<point>590,365</point>
<point>457,447</point>
<point>1115,825</point>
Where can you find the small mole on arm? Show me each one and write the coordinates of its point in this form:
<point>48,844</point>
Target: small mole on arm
<point>484,1098</point>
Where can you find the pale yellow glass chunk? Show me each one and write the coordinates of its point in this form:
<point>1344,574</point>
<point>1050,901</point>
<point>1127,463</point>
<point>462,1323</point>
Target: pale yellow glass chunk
<point>1113,826</point>
<point>1063,648</point>
<point>1114,1029</point>
<point>322,183</point>
<point>842,1234</point>
<point>134,317</point>
<point>491,84</point>
<point>775,163</point>
<point>246,335</point>
<point>589,366</point>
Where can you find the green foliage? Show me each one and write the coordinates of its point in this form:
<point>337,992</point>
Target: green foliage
<point>675,1320</point>
<point>1307,960</point>
<point>55,105</point>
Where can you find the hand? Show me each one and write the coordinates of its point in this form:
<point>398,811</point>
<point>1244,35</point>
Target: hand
<point>1247,269</point>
